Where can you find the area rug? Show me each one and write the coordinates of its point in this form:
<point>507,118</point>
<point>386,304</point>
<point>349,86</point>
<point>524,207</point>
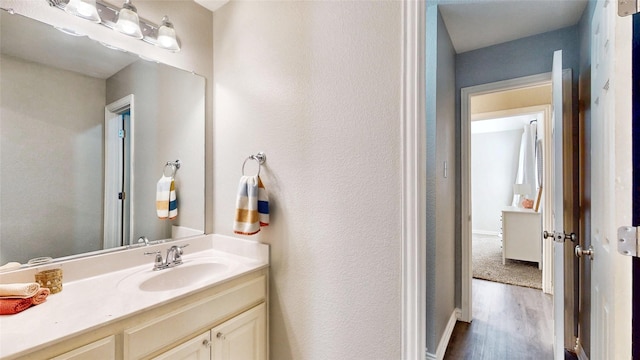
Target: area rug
<point>487,265</point>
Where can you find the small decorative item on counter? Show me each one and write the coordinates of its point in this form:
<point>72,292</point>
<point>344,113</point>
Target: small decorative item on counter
<point>527,204</point>
<point>51,279</point>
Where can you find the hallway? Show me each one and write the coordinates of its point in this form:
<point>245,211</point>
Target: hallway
<point>510,322</point>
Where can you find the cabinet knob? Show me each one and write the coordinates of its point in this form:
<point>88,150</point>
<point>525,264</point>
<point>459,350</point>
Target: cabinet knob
<point>206,343</point>
<point>220,336</point>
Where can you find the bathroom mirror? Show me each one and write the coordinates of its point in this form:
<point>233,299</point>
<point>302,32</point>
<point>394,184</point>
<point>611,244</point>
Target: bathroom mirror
<point>86,132</point>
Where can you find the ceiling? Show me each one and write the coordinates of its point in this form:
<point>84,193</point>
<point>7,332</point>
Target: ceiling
<point>474,24</point>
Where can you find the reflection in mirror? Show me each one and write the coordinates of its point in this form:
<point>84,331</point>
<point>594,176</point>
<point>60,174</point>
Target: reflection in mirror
<point>83,126</point>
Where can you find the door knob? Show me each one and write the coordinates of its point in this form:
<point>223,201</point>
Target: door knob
<point>580,252</point>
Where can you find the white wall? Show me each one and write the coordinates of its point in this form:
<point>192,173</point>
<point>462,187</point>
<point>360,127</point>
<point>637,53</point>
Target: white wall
<point>316,86</point>
<point>494,163</point>
<point>51,155</point>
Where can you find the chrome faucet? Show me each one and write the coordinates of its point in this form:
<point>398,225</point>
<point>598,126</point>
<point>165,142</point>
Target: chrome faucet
<point>143,239</point>
<point>173,258</point>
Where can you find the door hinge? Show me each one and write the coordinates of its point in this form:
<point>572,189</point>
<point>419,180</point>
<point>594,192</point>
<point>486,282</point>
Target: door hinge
<point>628,241</point>
<point>122,196</point>
<point>122,133</point>
<point>628,7</point>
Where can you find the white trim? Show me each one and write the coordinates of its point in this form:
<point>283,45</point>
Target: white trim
<point>465,138</point>
<point>413,184</point>
<point>486,232</point>
<point>112,111</point>
<point>446,336</point>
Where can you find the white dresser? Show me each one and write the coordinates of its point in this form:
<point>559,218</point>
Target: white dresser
<point>521,235</point>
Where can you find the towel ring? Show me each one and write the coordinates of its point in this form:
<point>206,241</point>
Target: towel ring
<point>173,165</point>
<point>260,158</point>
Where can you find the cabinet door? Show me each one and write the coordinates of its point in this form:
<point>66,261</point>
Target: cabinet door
<point>242,337</point>
<point>198,348</point>
<point>101,349</point>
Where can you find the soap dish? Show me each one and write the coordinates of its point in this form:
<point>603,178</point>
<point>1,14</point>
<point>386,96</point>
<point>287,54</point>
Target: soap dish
<point>40,260</point>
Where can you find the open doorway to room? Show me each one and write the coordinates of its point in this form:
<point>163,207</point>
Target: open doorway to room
<point>506,177</point>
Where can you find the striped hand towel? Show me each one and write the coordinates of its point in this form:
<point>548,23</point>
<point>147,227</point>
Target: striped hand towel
<point>252,206</point>
<point>166,202</point>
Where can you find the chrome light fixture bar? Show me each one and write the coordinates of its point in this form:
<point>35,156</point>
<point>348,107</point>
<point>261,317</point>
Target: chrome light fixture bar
<point>151,33</point>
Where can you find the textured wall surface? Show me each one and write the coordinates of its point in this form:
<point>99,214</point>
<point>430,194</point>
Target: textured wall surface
<point>51,155</point>
<point>441,190</point>
<point>168,119</point>
<point>316,86</point>
<point>494,164</point>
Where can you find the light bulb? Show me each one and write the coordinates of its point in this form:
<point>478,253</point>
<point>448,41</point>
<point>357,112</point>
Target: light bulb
<point>128,22</point>
<point>85,9</point>
<point>167,36</point>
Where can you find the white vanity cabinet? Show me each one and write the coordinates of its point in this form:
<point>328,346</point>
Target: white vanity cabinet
<point>226,321</point>
<point>242,337</point>
<point>104,349</point>
<point>198,348</point>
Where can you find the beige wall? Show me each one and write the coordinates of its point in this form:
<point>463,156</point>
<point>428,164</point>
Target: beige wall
<point>169,108</point>
<point>316,86</point>
<point>51,155</point>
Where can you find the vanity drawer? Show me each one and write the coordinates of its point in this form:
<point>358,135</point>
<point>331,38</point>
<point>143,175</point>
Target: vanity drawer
<point>101,349</point>
<point>145,339</point>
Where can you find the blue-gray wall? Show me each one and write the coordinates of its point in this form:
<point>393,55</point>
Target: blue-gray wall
<point>441,190</point>
<point>523,57</point>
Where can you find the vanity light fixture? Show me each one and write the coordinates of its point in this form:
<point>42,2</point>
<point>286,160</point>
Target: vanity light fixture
<point>124,20</point>
<point>167,36</point>
<point>85,9</point>
<point>128,22</point>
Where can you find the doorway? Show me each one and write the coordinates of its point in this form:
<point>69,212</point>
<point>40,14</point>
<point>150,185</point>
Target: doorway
<point>118,193</point>
<point>506,189</point>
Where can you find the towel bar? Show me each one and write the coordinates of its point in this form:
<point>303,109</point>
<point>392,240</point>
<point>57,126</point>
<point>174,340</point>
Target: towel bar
<point>174,165</point>
<point>260,158</point>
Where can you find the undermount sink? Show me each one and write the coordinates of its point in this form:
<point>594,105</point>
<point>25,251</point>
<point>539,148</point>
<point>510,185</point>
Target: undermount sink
<point>186,274</point>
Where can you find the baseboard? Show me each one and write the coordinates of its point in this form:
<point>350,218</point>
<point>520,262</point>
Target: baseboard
<point>486,232</point>
<point>446,336</point>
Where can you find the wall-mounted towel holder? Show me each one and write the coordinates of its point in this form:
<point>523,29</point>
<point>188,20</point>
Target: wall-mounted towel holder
<point>173,166</point>
<point>259,157</point>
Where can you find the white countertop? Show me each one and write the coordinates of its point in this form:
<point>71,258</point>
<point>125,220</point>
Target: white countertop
<point>95,294</point>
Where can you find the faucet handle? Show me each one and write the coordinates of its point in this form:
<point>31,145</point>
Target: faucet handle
<point>158,264</point>
<point>180,251</point>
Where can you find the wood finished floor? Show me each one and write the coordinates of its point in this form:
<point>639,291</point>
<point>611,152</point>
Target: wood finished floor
<point>509,322</point>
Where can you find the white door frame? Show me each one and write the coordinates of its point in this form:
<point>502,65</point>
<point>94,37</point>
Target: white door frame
<point>413,153</point>
<point>465,100</point>
<point>111,187</point>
